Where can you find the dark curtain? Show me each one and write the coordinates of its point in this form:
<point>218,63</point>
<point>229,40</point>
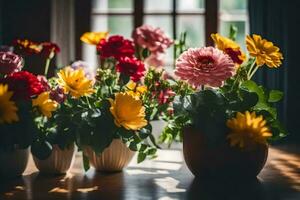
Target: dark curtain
<point>279,21</point>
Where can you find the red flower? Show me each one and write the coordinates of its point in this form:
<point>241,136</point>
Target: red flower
<point>131,67</point>
<point>116,46</point>
<point>50,49</point>
<point>235,55</point>
<point>24,85</point>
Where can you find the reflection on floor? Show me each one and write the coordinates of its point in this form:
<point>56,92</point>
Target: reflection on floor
<point>164,178</point>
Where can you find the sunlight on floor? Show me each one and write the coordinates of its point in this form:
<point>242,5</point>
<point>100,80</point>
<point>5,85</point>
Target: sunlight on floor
<point>288,165</point>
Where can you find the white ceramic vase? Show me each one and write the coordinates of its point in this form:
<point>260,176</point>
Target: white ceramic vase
<point>113,159</point>
<point>59,162</point>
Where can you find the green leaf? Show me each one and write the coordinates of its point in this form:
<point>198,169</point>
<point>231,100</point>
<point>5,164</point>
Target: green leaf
<point>275,96</point>
<point>86,162</point>
<point>141,157</point>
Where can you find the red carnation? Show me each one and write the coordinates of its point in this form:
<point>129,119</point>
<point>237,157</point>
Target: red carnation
<point>131,67</point>
<point>116,46</point>
<point>50,49</point>
<point>24,85</point>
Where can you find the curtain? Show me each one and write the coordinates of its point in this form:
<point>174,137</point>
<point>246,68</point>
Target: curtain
<point>63,30</point>
<point>278,21</point>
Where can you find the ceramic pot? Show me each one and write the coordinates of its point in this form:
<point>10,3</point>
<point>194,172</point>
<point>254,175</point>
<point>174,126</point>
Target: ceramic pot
<point>13,163</point>
<point>59,162</point>
<point>113,159</point>
<point>223,160</point>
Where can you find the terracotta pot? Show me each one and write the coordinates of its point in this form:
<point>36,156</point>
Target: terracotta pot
<point>59,162</point>
<point>221,161</point>
<point>112,159</point>
<point>13,163</point>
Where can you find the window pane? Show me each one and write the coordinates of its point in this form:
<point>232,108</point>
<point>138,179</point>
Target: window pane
<point>158,6</point>
<point>225,27</point>
<point>227,5</point>
<point>190,5</point>
<point>121,25</point>
<point>107,5</point>
<point>194,26</point>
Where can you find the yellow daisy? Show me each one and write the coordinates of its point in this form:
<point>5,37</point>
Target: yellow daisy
<point>45,104</point>
<point>8,108</point>
<point>229,47</point>
<point>75,82</point>
<point>247,130</point>
<point>128,111</point>
<point>93,37</point>
<point>264,51</point>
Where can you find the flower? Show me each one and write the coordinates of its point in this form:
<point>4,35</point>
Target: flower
<point>154,39</point>
<point>58,95</point>
<point>264,51</point>
<point>131,67</point>
<point>135,90</point>
<point>128,111</point>
<point>27,46</point>
<point>75,82</point>
<point>45,104</point>
<point>165,95</point>
<point>93,37</point>
<point>204,66</point>
<point>229,47</point>
<point>155,60</point>
<point>247,130</point>
<point>44,82</point>
<point>89,72</point>
<point>8,108</point>
<point>116,46</point>
<point>50,49</point>
<point>24,85</point>
<point>10,62</point>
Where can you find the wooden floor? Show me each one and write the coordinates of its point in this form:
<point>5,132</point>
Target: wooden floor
<point>165,178</point>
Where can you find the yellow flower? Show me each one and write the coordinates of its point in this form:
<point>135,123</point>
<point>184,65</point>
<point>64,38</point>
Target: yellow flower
<point>128,111</point>
<point>135,90</point>
<point>93,37</point>
<point>45,104</point>
<point>75,82</point>
<point>229,47</point>
<point>8,108</point>
<point>264,51</point>
<point>247,130</point>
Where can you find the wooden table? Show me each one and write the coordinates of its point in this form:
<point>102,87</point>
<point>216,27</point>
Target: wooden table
<point>165,178</point>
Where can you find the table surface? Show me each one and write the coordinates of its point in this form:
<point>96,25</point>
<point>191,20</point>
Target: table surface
<point>164,178</point>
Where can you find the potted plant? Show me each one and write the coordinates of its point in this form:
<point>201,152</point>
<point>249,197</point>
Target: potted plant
<point>17,90</point>
<point>54,145</point>
<point>227,122</point>
<point>128,95</point>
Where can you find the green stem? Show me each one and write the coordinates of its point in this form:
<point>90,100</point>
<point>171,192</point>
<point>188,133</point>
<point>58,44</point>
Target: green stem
<point>88,102</point>
<point>253,72</point>
<point>251,68</point>
<point>47,66</point>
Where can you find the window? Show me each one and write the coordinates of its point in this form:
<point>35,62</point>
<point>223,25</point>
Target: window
<point>197,17</point>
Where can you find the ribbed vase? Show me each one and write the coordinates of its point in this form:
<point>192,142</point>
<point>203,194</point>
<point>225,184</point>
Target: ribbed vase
<point>112,159</point>
<point>59,162</point>
<point>13,163</point>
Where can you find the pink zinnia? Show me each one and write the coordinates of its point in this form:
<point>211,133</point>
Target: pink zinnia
<point>154,39</point>
<point>204,66</point>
